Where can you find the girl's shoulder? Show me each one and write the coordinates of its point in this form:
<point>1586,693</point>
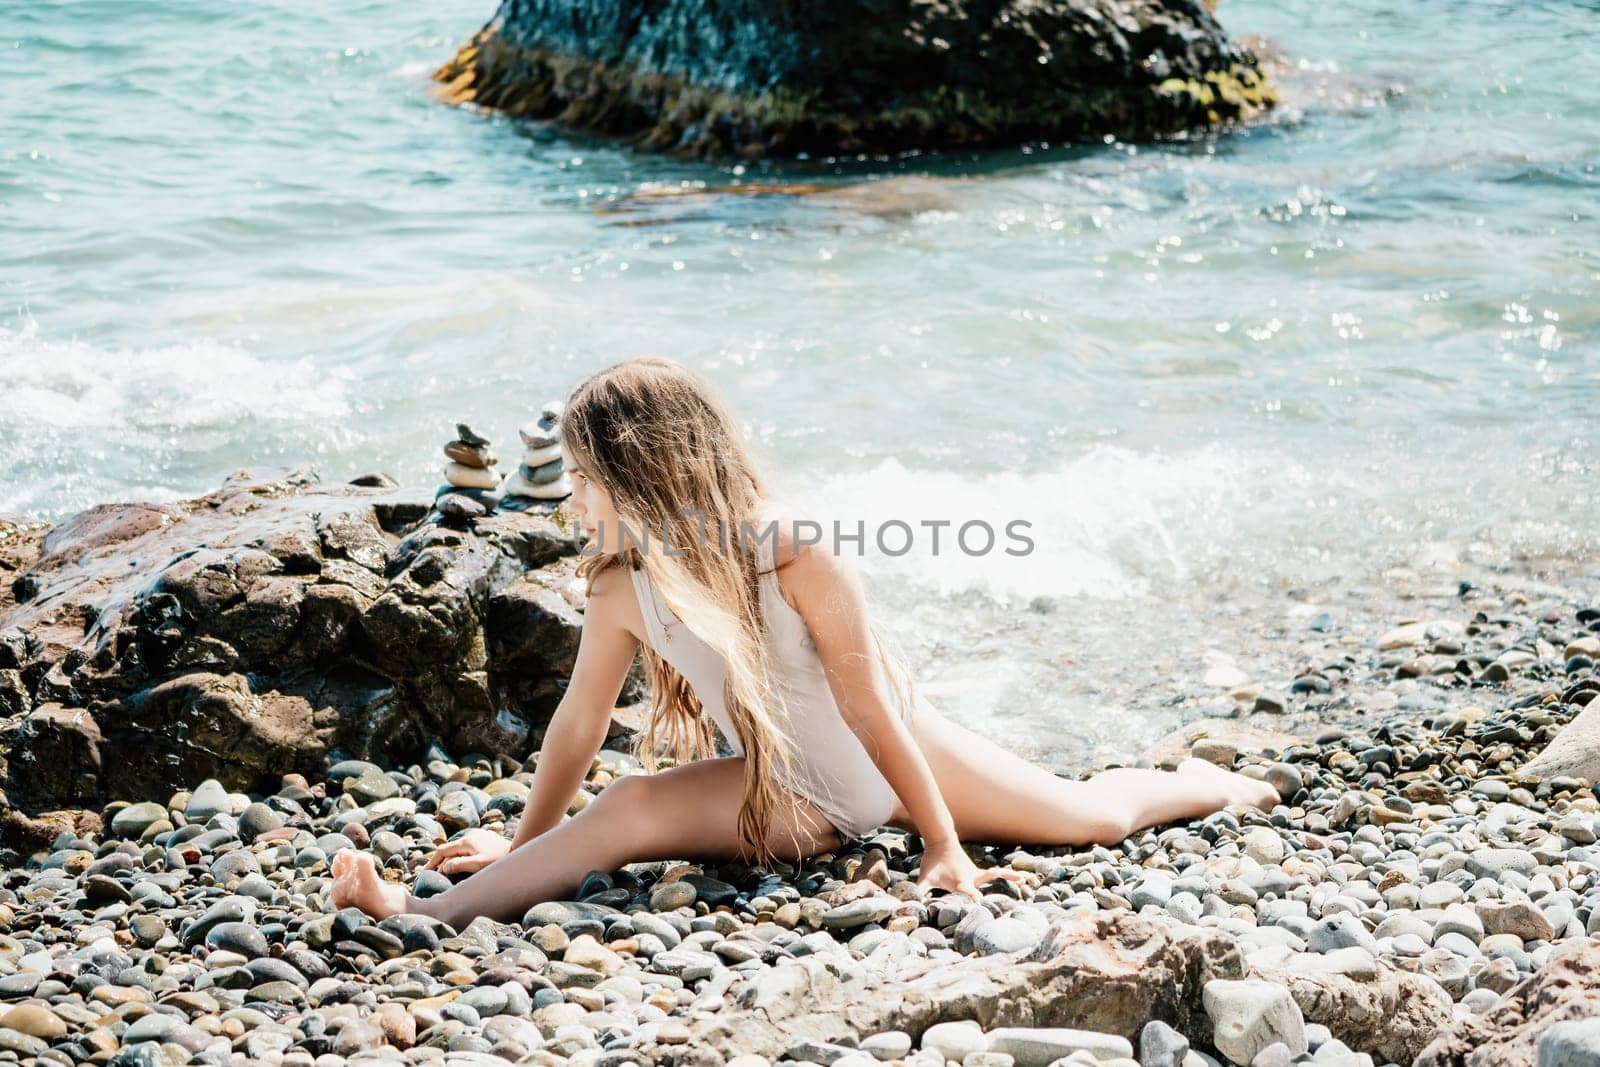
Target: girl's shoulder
<point>782,532</point>
<point>612,600</point>
<point>803,555</point>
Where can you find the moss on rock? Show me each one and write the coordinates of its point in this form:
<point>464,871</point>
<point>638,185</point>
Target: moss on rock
<point>782,79</point>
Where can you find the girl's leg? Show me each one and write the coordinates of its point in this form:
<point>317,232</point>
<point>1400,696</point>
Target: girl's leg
<point>687,811</point>
<point>997,796</point>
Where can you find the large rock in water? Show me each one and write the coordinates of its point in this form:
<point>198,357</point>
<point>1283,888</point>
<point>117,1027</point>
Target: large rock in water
<point>268,627</point>
<point>782,78</point>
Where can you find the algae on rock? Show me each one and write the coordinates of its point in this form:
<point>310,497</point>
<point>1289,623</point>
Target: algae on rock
<point>780,78</point>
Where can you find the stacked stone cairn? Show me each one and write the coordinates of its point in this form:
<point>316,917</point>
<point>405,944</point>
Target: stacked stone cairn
<point>540,476</point>
<point>473,487</point>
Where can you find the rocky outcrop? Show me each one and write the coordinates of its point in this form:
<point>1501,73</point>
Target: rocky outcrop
<point>1509,1034</point>
<point>268,627</point>
<point>1388,1012</point>
<point>784,79</point>
<point>1107,972</point>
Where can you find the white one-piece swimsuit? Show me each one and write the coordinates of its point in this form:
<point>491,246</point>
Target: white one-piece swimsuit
<point>832,768</point>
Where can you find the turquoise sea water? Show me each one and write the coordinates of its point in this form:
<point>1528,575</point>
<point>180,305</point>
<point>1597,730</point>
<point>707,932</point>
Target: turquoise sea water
<point>1218,376</point>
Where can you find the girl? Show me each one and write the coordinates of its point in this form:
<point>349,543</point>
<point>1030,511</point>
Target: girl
<point>691,563</point>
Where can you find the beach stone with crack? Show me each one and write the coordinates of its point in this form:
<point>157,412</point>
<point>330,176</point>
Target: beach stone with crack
<point>1247,1015</point>
<point>1162,1046</point>
<point>859,912</point>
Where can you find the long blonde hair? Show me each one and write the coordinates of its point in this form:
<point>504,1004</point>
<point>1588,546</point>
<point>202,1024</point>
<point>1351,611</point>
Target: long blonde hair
<point>665,447</point>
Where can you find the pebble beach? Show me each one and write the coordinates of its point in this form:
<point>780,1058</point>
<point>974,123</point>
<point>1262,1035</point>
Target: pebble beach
<point>1299,412</point>
<point>1413,879</point>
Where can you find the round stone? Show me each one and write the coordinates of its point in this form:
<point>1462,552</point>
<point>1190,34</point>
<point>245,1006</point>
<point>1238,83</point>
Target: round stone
<point>239,937</point>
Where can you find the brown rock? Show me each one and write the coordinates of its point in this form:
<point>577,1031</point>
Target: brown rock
<point>1392,1015</point>
<point>1103,971</point>
<point>30,833</point>
<point>478,456</point>
<point>399,1028</point>
<point>1221,753</point>
<point>1521,918</point>
<point>1507,1035</point>
<point>20,541</point>
<point>35,1020</point>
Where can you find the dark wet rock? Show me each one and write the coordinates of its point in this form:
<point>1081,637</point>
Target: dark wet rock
<point>784,80</point>
<point>103,889</point>
<point>712,892</point>
<point>258,819</point>
<point>239,937</point>
<point>430,884</point>
<point>268,969</point>
<point>460,507</point>
<point>266,626</point>
<point>227,910</point>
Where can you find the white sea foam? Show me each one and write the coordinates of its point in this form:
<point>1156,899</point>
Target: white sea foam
<point>74,386</point>
<point>1108,523</point>
<point>81,424</point>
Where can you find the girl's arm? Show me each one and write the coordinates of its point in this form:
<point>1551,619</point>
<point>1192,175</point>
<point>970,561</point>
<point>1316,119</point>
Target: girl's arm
<point>576,731</point>
<point>580,723</point>
<point>827,591</point>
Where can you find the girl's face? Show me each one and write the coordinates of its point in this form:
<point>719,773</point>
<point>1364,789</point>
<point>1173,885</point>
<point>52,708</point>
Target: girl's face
<point>590,503</point>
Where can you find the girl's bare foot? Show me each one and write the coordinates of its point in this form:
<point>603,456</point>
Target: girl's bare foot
<point>1239,788</point>
<point>357,884</point>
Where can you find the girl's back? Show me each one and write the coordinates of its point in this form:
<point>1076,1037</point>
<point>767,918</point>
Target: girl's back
<point>832,768</point>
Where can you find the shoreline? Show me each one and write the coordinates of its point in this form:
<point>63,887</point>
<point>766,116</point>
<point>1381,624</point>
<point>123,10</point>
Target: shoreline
<point>1413,893</point>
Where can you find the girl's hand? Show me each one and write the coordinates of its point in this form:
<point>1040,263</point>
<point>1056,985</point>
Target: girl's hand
<point>472,851</point>
<point>949,867</point>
